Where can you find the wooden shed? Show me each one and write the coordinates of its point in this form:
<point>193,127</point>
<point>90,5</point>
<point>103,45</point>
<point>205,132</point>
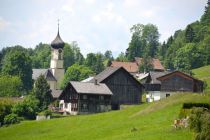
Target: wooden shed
<point>125,88</point>
<point>179,81</point>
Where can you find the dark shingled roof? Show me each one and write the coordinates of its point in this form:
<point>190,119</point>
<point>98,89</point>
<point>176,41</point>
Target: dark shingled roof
<point>57,43</point>
<point>155,75</point>
<point>91,88</point>
<point>46,72</point>
<point>56,93</point>
<point>104,74</point>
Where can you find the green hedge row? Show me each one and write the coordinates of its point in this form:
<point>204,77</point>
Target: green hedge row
<point>191,105</point>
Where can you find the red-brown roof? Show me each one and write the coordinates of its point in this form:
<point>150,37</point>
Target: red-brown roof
<point>131,67</point>
<point>161,78</point>
<point>155,62</point>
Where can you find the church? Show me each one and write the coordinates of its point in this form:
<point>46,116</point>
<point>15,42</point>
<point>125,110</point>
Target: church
<point>55,73</point>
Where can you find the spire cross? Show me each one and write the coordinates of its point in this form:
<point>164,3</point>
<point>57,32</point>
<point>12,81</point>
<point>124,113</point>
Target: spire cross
<point>58,24</point>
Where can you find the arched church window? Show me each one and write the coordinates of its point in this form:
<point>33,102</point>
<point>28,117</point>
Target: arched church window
<point>59,54</point>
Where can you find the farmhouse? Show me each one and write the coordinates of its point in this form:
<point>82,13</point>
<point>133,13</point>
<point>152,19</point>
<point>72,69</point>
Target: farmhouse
<point>157,66</point>
<point>85,98</point>
<point>131,67</point>
<point>163,84</point>
<point>179,81</point>
<point>125,88</point>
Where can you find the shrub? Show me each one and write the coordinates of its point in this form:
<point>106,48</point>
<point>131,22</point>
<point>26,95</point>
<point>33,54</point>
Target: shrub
<point>28,108</point>
<point>46,113</point>
<point>11,119</point>
<point>5,107</point>
<point>199,121</point>
<point>191,105</point>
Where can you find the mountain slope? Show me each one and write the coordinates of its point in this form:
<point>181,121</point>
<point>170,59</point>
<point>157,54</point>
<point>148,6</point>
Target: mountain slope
<point>153,121</point>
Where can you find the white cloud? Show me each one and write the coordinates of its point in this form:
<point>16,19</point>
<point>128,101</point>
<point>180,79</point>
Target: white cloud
<point>69,6</point>
<point>3,24</point>
<point>108,15</point>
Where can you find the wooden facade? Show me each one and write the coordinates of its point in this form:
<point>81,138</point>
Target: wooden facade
<point>84,103</point>
<point>125,88</point>
<point>178,81</point>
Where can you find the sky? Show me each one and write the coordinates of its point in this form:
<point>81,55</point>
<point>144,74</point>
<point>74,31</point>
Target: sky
<point>96,25</point>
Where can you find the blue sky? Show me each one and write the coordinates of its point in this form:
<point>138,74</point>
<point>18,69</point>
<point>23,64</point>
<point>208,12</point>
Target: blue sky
<point>97,25</point>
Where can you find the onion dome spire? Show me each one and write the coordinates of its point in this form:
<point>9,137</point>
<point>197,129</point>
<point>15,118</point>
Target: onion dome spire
<point>57,43</point>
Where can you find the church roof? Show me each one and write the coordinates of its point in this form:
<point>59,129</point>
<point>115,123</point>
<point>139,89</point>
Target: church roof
<point>46,72</point>
<point>57,43</point>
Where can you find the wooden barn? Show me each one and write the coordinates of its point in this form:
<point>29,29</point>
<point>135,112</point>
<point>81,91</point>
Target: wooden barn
<point>151,83</point>
<point>179,81</point>
<point>85,98</point>
<point>125,88</point>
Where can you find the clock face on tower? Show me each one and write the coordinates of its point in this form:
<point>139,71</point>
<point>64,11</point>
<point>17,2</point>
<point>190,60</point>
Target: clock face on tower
<point>60,51</point>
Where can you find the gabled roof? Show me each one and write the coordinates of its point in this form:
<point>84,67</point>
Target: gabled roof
<point>91,88</point>
<point>46,72</point>
<point>109,71</point>
<point>154,75</point>
<point>166,76</point>
<point>155,62</point>
<point>131,67</point>
<point>106,73</point>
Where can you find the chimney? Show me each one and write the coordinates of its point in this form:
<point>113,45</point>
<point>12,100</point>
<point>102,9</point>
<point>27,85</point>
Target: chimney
<point>95,82</point>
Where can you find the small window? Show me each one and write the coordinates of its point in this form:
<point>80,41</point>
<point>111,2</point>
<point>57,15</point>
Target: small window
<point>59,54</point>
<point>84,106</point>
<point>84,97</point>
<point>101,97</point>
<point>167,95</point>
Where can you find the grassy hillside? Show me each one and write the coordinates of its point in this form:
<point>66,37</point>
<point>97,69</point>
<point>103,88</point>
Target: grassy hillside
<point>203,73</point>
<point>152,120</point>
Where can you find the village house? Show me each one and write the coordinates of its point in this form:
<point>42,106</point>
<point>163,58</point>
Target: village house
<point>131,67</point>
<point>160,85</point>
<point>85,98</point>
<point>157,66</point>
<point>125,88</point>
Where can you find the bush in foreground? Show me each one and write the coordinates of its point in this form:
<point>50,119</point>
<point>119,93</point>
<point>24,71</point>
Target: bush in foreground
<point>11,119</point>
<point>200,122</point>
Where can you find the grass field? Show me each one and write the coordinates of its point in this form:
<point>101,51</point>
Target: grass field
<point>203,73</point>
<point>153,121</point>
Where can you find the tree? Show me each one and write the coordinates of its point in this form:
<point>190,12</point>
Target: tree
<point>189,57</point>
<point>76,73</point>
<point>95,62</point>
<point>41,56</point>
<point>205,19</point>
<point>42,92</point>
<point>18,63</point>
<point>189,34</point>
<point>28,108</point>
<point>72,55</point>
<point>122,57</point>
<point>10,86</point>
<point>108,55</point>
<point>144,40</point>
<point>146,65</point>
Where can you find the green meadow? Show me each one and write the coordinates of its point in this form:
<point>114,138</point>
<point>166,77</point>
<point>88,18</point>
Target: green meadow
<point>147,121</point>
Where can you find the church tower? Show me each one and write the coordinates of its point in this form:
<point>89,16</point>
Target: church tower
<point>56,63</point>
